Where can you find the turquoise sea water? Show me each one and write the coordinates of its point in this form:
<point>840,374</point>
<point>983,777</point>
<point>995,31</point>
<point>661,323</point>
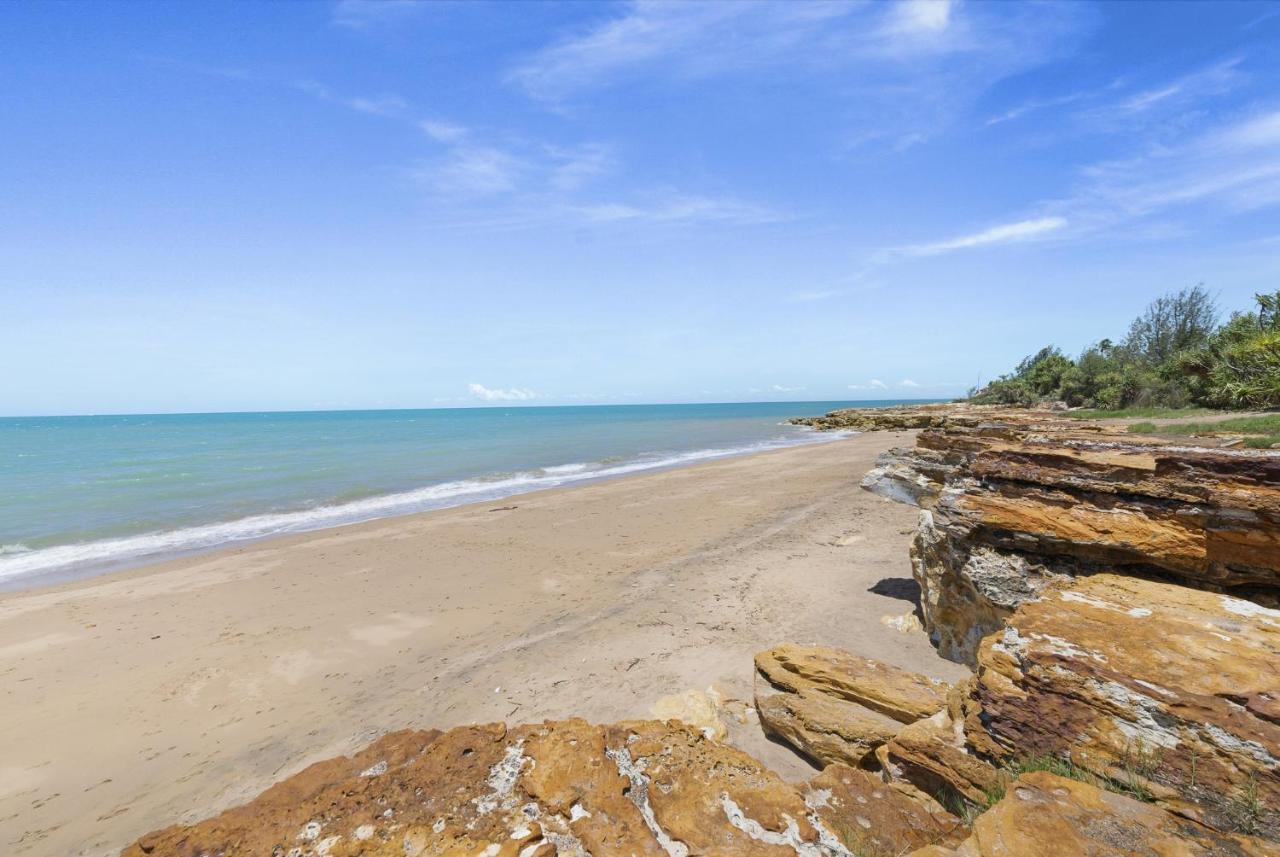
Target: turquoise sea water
<point>82,494</point>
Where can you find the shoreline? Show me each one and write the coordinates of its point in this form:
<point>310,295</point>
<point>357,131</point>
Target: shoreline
<point>327,516</point>
<point>215,676</point>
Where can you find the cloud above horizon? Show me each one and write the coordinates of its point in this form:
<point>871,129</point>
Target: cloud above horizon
<point>513,394</point>
<point>1004,233</point>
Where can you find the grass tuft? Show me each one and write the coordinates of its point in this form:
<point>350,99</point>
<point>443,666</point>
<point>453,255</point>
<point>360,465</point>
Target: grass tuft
<point>1262,431</point>
<point>1134,413</point>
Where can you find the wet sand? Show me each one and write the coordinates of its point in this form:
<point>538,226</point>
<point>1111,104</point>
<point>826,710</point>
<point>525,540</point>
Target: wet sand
<point>165,693</point>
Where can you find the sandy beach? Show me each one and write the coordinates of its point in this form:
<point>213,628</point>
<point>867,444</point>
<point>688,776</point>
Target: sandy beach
<point>165,693</point>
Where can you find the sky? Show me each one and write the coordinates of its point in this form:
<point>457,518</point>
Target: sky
<point>275,206</point>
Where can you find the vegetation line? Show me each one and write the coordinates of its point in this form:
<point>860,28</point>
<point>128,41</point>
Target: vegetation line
<point>1175,355</point>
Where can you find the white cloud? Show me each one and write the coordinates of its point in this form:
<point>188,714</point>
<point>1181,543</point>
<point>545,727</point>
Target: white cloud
<point>514,394</point>
<point>778,388</point>
<point>473,171</point>
<point>441,131</point>
<point>920,16</point>
<point>574,167</point>
<point>698,40</point>
<point>1201,83</point>
<point>670,207</point>
<point>873,384</point>
<point>907,382</point>
<point>1005,233</point>
<point>379,105</point>
<point>362,14</point>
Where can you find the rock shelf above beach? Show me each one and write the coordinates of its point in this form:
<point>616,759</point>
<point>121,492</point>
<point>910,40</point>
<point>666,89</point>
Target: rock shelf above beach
<point>560,788</point>
<point>1017,502</point>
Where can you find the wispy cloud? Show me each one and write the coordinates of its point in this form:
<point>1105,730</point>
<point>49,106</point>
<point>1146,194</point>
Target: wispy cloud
<point>778,388</point>
<point>442,131</point>
<point>1233,167</point>
<point>513,394</point>
<point>364,14</point>
<point>472,170</point>
<point>873,384</point>
<point>379,105</point>
<point>888,54</point>
<point>907,382</point>
<point>1005,233</point>
<point>670,207</point>
<point>1201,83</point>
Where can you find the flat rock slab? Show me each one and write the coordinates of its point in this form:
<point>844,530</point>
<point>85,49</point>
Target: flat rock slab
<point>1167,688</point>
<point>558,788</point>
<point>895,693</point>
<point>1043,815</point>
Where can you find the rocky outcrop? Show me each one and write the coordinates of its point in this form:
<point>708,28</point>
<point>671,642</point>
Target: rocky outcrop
<point>559,788</point>
<point>1168,690</point>
<point>1015,504</point>
<point>1043,815</point>
<point>900,417</point>
<point>837,707</point>
<point>912,476</point>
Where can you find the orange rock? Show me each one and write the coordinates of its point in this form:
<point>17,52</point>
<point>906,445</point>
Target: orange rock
<point>1047,816</point>
<point>930,761</point>
<point>566,787</point>
<point>898,694</point>
<point>824,728</point>
<point>874,818</point>
<point>1155,685</point>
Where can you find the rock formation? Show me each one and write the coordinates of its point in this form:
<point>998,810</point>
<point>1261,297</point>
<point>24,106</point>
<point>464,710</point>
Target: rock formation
<point>1015,503</point>
<point>1166,690</point>
<point>560,788</point>
<point>837,707</point>
<point>1049,816</point>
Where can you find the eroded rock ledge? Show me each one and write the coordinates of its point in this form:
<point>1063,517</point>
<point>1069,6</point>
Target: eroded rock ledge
<point>1014,505</point>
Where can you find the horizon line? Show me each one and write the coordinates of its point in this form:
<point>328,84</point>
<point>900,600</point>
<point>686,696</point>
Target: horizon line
<point>477,406</point>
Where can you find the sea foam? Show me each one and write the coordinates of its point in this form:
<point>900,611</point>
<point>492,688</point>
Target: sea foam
<point>16,561</point>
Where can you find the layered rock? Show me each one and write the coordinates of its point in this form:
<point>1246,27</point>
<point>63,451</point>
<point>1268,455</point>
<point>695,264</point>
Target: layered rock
<point>1014,506</point>
<point>1165,689</point>
<point>914,476</point>
<point>558,788</point>
<point>837,707</point>
<point>1043,815</point>
<point>930,760</point>
<point>901,417</point>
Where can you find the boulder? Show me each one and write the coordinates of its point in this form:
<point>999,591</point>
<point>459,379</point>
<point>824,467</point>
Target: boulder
<point>556,788</point>
<point>1043,815</point>
<point>895,693</point>
<point>1171,691</point>
<point>824,728</point>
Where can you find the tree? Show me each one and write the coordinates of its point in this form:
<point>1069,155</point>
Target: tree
<point>1173,323</point>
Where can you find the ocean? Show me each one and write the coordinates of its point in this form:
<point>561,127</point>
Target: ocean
<point>82,495</point>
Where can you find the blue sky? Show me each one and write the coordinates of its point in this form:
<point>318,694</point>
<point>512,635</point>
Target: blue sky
<point>214,206</point>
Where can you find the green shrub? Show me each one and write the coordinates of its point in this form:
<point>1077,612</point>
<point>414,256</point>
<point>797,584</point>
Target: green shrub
<point>1175,356</point>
